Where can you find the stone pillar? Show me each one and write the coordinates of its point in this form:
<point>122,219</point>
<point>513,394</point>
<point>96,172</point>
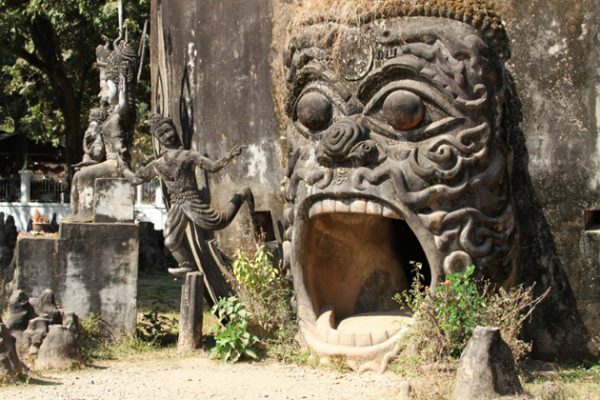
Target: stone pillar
<point>26,176</point>
<point>139,190</point>
<point>158,197</point>
<point>190,319</point>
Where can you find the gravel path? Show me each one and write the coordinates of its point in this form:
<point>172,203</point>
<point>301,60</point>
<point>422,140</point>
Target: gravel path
<point>199,378</point>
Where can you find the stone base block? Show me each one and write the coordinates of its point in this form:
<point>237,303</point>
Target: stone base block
<point>113,200</point>
<point>92,269</point>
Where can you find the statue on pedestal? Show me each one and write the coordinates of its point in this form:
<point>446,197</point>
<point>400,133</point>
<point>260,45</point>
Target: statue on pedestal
<point>109,135</point>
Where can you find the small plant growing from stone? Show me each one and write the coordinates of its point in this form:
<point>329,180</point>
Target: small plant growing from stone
<point>234,341</point>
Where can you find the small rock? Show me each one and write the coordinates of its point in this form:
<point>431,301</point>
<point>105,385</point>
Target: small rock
<point>35,334</point>
<point>20,311</point>
<point>10,365</point>
<point>404,390</point>
<point>46,307</point>
<point>487,368</point>
<point>60,349</point>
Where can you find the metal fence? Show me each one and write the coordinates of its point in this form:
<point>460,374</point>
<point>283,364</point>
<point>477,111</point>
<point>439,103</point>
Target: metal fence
<point>10,189</point>
<point>49,191</point>
<point>149,191</point>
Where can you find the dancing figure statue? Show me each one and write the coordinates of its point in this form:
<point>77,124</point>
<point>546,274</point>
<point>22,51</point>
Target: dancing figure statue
<point>176,167</point>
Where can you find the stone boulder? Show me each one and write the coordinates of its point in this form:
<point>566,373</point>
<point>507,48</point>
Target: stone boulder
<point>34,336</point>
<point>45,306</point>
<point>20,311</point>
<point>10,365</point>
<point>60,350</point>
<point>487,368</point>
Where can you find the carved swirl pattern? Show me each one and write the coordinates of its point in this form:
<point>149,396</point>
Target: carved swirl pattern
<point>450,170</point>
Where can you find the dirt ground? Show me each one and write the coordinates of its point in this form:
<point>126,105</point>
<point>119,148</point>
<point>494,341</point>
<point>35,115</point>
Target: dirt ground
<point>201,378</point>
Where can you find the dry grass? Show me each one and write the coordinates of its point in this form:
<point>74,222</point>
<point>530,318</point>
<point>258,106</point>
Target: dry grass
<point>541,381</point>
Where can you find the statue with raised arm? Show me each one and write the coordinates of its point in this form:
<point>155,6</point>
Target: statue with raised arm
<point>176,167</point>
<point>108,137</point>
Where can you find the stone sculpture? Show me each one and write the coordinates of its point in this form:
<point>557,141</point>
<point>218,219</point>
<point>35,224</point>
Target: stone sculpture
<point>10,365</point>
<point>176,167</point>
<point>397,131</point>
<point>487,368</point>
<point>42,331</point>
<point>60,349</point>
<point>8,240</point>
<point>108,137</point>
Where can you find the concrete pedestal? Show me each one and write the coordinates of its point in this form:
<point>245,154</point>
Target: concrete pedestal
<point>92,269</point>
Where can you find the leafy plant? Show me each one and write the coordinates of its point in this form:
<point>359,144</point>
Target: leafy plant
<point>266,293</point>
<point>233,341</point>
<point>255,272</point>
<point>459,307</point>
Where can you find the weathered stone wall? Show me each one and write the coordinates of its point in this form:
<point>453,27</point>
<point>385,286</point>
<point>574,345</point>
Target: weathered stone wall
<point>211,71</point>
<point>556,68</point>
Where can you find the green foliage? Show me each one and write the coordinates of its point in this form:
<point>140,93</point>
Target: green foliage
<point>47,54</point>
<point>234,341</point>
<point>155,328</point>
<point>255,272</point>
<point>153,331</point>
<point>459,306</point>
<point>264,290</point>
<point>445,318</point>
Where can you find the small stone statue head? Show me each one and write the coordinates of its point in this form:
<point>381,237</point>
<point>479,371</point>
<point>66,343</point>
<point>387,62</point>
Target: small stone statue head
<point>164,130</point>
<point>397,129</point>
<point>115,60</point>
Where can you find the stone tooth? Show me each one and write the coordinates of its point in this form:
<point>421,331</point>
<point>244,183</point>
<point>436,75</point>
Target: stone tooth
<point>325,322</point>
<point>391,333</point>
<point>363,340</point>
<point>389,213</point>
<point>379,336</point>
<point>348,340</point>
<point>315,209</point>
<point>305,312</point>
<point>341,206</point>
<point>328,206</point>
<point>358,206</point>
<point>374,208</point>
<point>333,337</point>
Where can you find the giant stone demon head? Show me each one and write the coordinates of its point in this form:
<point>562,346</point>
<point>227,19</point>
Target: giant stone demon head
<point>398,155</point>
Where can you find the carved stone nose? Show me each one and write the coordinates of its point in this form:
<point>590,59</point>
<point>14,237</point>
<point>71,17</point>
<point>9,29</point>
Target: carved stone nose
<point>346,143</point>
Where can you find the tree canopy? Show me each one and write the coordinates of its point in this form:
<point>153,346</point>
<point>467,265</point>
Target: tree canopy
<point>48,81</point>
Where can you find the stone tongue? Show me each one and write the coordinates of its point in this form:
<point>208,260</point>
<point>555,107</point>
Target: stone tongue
<point>361,329</point>
<point>388,321</point>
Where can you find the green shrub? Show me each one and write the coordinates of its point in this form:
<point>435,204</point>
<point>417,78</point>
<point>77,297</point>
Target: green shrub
<point>255,271</point>
<point>445,318</point>
<point>266,293</point>
<point>459,307</point>
<point>233,341</point>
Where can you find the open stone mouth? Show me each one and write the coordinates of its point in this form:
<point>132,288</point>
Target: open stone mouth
<point>355,256</point>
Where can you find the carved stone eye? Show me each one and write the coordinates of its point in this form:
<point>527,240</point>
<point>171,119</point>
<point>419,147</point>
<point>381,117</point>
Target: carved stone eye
<point>403,110</point>
<point>314,111</point>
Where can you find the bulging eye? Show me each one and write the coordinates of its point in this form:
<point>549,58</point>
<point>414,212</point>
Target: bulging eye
<point>314,111</point>
<point>403,110</point>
